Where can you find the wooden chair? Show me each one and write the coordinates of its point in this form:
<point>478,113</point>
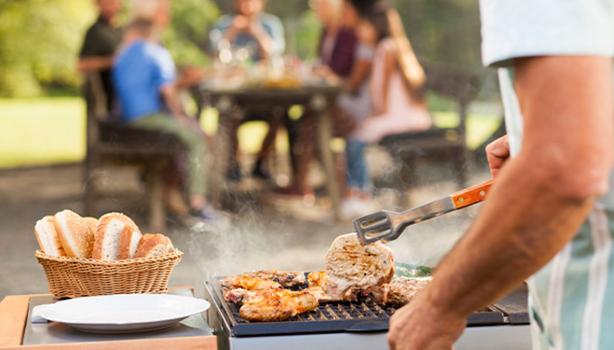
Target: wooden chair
<point>441,144</point>
<point>112,143</point>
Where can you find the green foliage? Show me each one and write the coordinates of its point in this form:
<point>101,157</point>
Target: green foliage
<point>186,38</point>
<point>40,39</point>
<point>38,42</point>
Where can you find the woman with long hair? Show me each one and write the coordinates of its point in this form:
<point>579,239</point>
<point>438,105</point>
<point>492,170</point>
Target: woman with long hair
<point>395,88</point>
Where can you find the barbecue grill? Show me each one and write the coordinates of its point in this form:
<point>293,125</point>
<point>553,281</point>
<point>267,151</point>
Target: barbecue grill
<point>359,325</point>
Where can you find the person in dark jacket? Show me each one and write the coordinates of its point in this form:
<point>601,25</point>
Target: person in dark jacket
<point>99,45</point>
<point>336,52</point>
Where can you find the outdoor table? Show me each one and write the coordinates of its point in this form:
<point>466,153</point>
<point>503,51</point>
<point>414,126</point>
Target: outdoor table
<point>233,104</point>
<point>17,331</point>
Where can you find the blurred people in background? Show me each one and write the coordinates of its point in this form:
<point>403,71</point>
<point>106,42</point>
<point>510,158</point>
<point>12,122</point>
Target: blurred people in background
<point>249,28</point>
<point>336,53</point>
<point>99,46</point>
<point>257,36</point>
<point>395,103</point>
<point>337,44</point>
<point>397,80</point>
<point>146,83</point>
<point>355,107</point>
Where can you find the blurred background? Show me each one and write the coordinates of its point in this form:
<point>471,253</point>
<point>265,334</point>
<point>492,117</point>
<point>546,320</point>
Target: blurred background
<point>43,132</point>
<point>43,114</point>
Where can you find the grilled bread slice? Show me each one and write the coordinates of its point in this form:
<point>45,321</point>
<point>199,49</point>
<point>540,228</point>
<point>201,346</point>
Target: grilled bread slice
<point>117,237</point>
<point>74,234</point>
<point>47,237</point>
<point>153,245</point>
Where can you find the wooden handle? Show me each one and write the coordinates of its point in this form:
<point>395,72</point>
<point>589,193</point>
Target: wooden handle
<point>471,195</point>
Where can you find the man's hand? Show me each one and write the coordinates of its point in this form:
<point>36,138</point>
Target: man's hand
<point>420,326</point>
<point>497,153</point>
<point>240,23</point>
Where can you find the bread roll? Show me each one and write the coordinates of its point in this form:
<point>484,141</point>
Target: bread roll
<point>153,245</point>
<point>117,237</point>
<point>74,234</point>
<point>47,237</point>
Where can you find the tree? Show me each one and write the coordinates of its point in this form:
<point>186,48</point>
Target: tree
<point>40,40</point>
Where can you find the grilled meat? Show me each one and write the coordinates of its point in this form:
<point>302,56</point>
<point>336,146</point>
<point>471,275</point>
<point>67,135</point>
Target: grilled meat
<point>316,279</point>
<point>249,282</point>
<point>352,268</point>
<point>400,291</point>
<point>265,280</point>
<point>316,287</point>
<point>276,305</point>
<point>287,279</point>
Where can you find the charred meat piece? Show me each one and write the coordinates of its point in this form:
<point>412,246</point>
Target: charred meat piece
<point>287,279</point>
<point>249,282</point>
<point>400,291</point>
<point>276,305</point>
<point>265,280</point>
<point>352,268</point>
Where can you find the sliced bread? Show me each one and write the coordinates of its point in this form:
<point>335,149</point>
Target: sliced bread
<point>117,237</point>
<point>47,237</point>
<point>91,223</point>
<point>153,245</point>
<point>74,234</point>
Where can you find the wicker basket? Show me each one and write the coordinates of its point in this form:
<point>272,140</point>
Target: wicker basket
<point>76,277</point>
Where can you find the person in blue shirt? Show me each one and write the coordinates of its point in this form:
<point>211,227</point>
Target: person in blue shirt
<point>145,79</point>
<point>262,35</point>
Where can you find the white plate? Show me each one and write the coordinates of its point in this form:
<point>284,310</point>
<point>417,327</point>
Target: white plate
<point>123,313</point>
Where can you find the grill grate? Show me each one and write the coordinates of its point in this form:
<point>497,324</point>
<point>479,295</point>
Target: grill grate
<point>361,310</point>
<point>362,316</point>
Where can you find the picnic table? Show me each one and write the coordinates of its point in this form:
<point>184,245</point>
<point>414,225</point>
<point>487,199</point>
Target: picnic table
<point>233,104</point>
<point>17,331</point>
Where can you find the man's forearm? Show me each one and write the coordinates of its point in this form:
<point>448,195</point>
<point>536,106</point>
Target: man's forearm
<point>523,224</point>
<point>542,196</point>
<point>171,100</point>
<point>87,64</point>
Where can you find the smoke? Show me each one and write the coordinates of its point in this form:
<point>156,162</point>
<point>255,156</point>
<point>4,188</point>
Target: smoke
<point>427,242</point>
<point>255,241</point>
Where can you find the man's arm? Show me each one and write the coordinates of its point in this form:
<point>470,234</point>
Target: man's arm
<point>171,99</point>
<point>94,63</point>
<point>537,204</point>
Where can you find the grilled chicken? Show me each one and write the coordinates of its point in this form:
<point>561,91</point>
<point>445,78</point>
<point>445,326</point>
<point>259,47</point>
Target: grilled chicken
<point>249,282</point>
<point>276,305</point>
<point>265,280</point>
<point>287,279</point>
<point>316,282</point>
<point>400,291</point>
<point>352,268</point>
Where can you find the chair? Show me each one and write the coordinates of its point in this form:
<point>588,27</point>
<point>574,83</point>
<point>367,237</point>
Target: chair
<point>436,143</point>
<point>112,143</point>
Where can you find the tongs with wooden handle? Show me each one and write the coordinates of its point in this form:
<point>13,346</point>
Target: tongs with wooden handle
<point>388,225</point>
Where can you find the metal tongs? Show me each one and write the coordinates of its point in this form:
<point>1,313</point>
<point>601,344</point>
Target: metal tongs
<point>388,225</point>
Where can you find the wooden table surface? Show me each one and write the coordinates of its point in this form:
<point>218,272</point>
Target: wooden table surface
<point>14,313</point>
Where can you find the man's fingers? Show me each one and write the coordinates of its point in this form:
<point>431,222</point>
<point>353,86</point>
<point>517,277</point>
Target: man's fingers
<point>497,152</point>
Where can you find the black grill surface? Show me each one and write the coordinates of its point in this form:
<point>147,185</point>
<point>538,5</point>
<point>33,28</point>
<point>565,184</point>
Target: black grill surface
<point>361,316</point>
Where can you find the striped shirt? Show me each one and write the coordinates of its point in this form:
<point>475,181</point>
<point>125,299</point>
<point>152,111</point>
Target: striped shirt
<point>571,300</point>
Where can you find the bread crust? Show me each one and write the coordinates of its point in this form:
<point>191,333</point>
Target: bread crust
<point>71,228</point>
<point>49,222</point>
<point>149,242</point>
<point>91,223</point>
<point>126,235</point>
<point>126,239</point>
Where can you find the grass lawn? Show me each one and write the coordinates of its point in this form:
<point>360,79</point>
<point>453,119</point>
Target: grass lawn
<point>50,130</point>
